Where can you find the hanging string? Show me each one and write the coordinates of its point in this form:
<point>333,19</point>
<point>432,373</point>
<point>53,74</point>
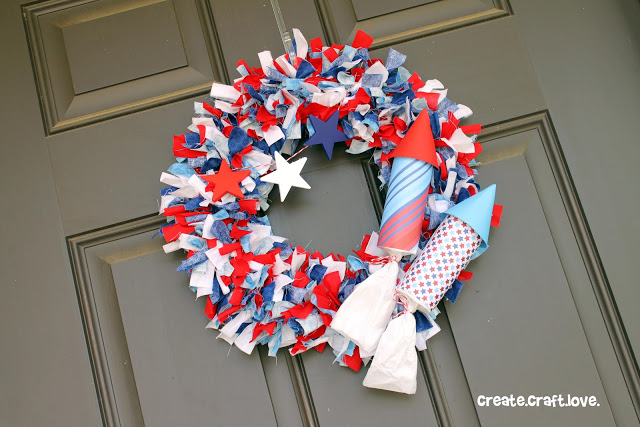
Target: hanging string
<point>272,164</point>
<point>402,300</point>
<point>284,34</point>
<point>382,260</point>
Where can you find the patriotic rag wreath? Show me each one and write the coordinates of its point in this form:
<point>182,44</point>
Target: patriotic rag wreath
<point>259,289</point>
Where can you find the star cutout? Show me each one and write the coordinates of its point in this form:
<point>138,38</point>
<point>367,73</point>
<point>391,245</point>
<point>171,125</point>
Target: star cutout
<point>286,175</point>
<point>327,133</point>
<point>225,181</point>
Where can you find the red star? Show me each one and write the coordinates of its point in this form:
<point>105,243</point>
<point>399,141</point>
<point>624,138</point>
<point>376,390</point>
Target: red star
<point>225,181</point>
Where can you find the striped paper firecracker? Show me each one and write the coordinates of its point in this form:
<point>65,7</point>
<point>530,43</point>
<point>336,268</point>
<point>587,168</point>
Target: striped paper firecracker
<point>461,236</point>
<point>363,317</point>
<point>406,201</point>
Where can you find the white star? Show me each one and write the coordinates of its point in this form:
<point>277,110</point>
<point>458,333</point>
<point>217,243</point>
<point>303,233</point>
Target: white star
<point>287,175</point>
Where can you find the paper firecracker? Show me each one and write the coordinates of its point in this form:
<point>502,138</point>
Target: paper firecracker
<point>363,317</point>
<point>456,241</point>
<point>411,172</point>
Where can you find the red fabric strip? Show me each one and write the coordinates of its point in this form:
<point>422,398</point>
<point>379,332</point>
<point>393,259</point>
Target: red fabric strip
<point>465,275</point>
<point>213,111</point>
<point>250,206</point>
<point>222,317</point>
<point>496,217</point>
<point>180,151</point>
<point>362,39</point>
<point>172,232</point>
<point>299,311</point>
<point>236,296</point>
<point>354,361</point>
<point>230,247</point>
<point>210,309</point>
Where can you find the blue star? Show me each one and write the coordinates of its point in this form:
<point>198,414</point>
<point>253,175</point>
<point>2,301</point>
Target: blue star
<point>326,133</point>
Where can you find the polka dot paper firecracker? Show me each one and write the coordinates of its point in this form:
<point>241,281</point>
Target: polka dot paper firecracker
<point>448,252</point>
<point>446,255</point>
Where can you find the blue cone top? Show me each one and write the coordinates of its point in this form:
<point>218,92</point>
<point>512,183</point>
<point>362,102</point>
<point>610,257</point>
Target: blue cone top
<point>477,211</point>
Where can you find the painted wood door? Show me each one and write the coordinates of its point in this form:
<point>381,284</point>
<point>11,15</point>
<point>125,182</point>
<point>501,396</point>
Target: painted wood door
<point>98,328</point>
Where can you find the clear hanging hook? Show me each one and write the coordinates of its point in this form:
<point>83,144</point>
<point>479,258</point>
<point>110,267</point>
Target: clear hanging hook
<point>284,34</point>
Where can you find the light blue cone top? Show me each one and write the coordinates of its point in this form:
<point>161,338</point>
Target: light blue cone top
<point>477,211</point>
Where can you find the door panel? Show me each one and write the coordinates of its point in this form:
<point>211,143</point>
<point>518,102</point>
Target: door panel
<point>537,318</point>
<point>569,66</point>
<point>528,301</point>
<point>142,339</point>
<point>96,60</point>
<point>481,67</point>
<point>340,399</point>
<point>182,373</point>
<point>391,23</point>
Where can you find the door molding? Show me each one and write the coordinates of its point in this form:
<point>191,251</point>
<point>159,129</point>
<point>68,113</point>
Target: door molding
<point>78,246</point>
<point>62,109</point>
<point>391,29</point>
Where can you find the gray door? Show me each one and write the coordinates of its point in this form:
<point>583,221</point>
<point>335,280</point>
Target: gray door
<point>96,327</point>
